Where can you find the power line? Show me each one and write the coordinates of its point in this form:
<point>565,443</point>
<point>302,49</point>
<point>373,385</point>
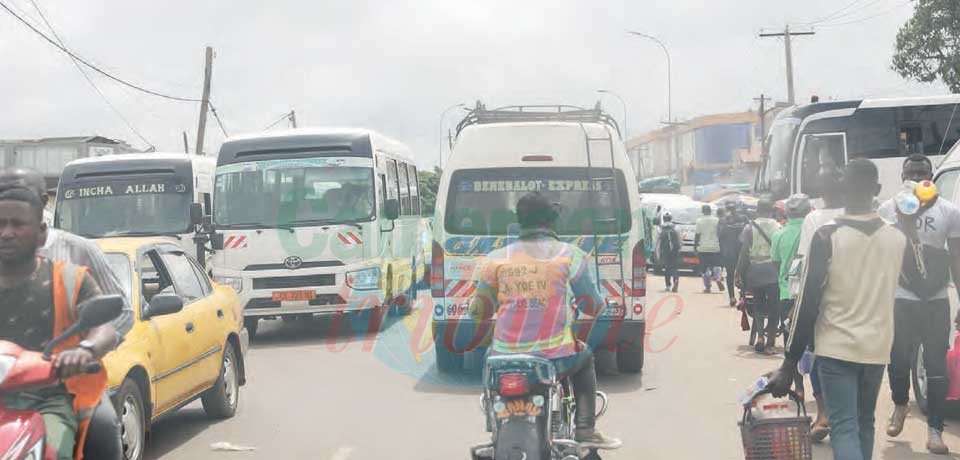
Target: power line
<point>84,62</point>
<point>833,14</point>
<point>285,116</point>
<point>867,18</point>
<point>90,80</point>
<point>217,117</point>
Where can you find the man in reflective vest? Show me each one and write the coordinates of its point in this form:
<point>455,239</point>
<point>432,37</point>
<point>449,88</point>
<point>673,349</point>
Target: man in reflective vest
<point>758,274</point>
<point>38,301</point>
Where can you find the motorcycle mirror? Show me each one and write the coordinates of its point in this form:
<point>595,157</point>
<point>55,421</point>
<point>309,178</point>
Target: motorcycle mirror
<point>94,312</point>
<point>196,213</point>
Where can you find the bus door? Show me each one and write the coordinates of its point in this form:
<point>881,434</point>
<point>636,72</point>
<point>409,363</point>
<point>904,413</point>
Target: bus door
<point>815,151</point>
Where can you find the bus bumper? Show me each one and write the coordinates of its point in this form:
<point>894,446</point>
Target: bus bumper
<point>465,334</point>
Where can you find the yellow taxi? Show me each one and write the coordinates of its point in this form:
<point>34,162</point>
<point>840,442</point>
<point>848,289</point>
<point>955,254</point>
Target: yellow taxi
<point>187,341</point>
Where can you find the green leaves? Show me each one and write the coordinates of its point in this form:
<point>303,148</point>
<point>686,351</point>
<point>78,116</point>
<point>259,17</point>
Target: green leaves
<point>429,183</point>
<point>928,45</point>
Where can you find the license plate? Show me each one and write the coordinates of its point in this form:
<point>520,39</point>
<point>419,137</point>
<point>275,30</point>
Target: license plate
<point>290,296</point>
<point>614,312</point>
<point>691,260</point>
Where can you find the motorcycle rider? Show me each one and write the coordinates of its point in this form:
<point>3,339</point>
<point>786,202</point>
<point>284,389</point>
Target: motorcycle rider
<point>104,434</point>
<point>38,297</point>
<point>526,284</point>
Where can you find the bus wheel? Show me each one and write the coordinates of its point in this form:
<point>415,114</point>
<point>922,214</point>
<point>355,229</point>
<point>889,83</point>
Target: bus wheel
<point>630,356</point>
<point>447,361</point>
<point>251,324</point>
<point>403,304</point>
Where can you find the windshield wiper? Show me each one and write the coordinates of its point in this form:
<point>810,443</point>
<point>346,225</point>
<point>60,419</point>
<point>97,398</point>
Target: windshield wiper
<point>259,226</point>
<point>122,234</point>
<point>329,223</point>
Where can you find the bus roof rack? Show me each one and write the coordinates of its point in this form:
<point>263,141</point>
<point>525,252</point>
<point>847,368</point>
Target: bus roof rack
<point>480,115</point>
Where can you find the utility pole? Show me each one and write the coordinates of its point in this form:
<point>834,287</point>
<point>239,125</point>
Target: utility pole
<point>763,114</point>
<point>787,35</point>
<point>205,100</point>
<point>293,118</point>
<point>186,146</point>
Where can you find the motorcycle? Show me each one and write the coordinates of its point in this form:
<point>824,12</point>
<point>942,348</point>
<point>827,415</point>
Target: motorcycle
<point>530,412</point>
<point>22,431</point>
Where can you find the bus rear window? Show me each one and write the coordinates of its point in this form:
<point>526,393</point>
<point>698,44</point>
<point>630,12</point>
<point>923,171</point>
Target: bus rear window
<point>483,201</point>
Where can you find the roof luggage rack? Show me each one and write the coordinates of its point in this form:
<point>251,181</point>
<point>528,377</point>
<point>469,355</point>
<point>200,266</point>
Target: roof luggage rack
<point>481,115</point>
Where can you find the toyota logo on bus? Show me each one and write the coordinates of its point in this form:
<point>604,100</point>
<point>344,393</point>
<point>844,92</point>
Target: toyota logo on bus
<point>292,262</point>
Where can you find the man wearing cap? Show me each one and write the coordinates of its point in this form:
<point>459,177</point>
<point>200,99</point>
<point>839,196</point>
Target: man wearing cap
<point>757,272</point>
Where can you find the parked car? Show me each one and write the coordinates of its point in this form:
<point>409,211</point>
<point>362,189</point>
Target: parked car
<point>187,341</point>
<point>685,214</point>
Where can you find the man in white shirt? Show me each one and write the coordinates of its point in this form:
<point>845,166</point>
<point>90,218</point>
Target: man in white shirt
<point>922,314</point>
<point>706,244</point>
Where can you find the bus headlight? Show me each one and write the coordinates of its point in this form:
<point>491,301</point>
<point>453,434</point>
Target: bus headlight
<point>234,282</point>
<point>368,278</point>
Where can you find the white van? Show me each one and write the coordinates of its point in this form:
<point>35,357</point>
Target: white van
<point>575,156</point>
<point>137,194</point>
<point>315,221</point>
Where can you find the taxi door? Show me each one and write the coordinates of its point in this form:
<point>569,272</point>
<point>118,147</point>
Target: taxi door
<point>205,317</point>
<point>174,334</point>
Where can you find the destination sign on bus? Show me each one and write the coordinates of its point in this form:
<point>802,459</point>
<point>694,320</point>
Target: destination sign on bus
<point>552,185</point>
<point>125,188</point>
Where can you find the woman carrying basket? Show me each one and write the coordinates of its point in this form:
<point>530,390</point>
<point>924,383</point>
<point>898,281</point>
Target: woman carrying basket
<point>851,310</point>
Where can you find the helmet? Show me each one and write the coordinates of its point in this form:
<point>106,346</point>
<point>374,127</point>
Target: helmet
<point>667,217</point>
<point>797,205</point>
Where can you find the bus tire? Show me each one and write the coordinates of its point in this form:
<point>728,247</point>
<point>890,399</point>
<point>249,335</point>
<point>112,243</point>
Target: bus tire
<point>251,323</point>
<point>448,362</point>
<point>630,357</point>
<point>403,304</point>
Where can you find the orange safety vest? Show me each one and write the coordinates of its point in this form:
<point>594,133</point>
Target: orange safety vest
<point>87,389</point>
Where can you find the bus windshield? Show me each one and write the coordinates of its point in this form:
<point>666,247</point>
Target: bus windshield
<point>294,191</point>
<point>147,207</point>
<point>483,201</point>
<point>782,136</point>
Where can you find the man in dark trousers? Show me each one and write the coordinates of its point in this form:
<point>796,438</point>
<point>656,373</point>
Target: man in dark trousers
<point>668,246</point>
<point>729,231</point>
<point>923,308</point>
<point>847,312</point>
<point>757,273</point>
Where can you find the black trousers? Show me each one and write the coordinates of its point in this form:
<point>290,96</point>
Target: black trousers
<point>731,267</point>
<point>103,436</point>
<point>769,308</point>
<point>924,323</point>
<point>670,275</point>
<point>583,377</point>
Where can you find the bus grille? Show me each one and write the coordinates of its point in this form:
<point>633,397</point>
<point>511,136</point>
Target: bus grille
<point>286,282</point>
<point>322,299</point>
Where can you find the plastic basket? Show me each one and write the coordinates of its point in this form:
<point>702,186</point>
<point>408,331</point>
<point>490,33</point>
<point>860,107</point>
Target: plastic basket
<point>784,438</point>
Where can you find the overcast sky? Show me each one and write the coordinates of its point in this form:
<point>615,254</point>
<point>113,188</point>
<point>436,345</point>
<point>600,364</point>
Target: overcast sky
<point>394,65</point>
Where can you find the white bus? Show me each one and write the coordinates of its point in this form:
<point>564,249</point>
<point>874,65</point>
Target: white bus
<point>575,156</point>
<point>137,194</point>
<point>317,221</point>
<point>885,131</point>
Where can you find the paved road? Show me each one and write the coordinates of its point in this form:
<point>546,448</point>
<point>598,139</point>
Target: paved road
<point>317,393</point>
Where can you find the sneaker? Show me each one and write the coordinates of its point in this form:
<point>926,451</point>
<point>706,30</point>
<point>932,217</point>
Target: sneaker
<point>733,302</point>
<point>592,438</point>
<point>935,442</point>
<point>897,419</point>
<point>770,350</point>
<point>720,285</point>
<point>706,290</point>
<point>675,287</point>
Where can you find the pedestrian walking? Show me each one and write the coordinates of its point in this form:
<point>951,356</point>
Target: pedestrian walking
<point>830,206</point>
<point>783,248</point>
<point>757,273</point>
<point>846,307</point>
<point>922,312</point>
<point>706,243</point>
<point>729,231</point>
<point>669,249</point>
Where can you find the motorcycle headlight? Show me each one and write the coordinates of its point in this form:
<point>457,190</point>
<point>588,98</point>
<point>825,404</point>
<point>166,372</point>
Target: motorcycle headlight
<point>368,278</point>
<point>6,363</point>
<point>232,281</point>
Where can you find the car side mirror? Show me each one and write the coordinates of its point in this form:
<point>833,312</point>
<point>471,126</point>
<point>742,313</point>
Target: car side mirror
<point>164,303</point>
<point>196,214</point>
<point>216,241</point>
<point>391,209</point>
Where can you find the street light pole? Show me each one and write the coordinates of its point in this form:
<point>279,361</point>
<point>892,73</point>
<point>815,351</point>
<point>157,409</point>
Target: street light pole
<point>443,116</point>
<point>624,104</point>
<point>669,71</point>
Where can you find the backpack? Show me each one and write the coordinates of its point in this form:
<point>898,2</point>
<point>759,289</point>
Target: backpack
<point>926,269</point>
<point>669,242</point>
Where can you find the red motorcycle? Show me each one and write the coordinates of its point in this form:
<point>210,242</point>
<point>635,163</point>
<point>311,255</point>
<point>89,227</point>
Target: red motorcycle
<point>22,431</point>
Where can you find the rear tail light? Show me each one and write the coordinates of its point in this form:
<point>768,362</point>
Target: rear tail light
<point>639,267</point>
<point>436,271</point>
<point>514,385</point>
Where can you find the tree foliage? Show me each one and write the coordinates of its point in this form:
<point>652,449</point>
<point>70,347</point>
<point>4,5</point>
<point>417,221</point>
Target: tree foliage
<point>429,182</point>
<point>928,45</point>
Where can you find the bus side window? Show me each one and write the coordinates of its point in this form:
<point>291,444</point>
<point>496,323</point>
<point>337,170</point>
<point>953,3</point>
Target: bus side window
<point>404,189</point>
<point>414,189</point>
<point>817,149</point>
<point>393,188</point>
